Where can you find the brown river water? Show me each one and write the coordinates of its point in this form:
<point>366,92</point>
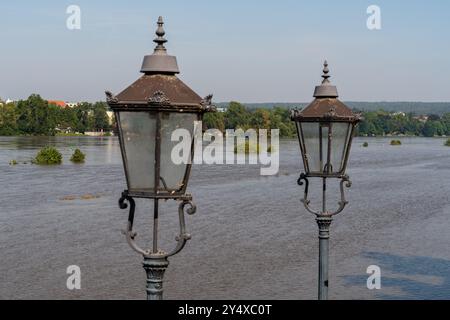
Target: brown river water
<point>251,236</point>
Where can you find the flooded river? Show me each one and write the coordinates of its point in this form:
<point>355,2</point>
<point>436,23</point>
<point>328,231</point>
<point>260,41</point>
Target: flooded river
<point>251,236</point>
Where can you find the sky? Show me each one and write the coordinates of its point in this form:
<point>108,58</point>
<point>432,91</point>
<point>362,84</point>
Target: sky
<point>241,50</point>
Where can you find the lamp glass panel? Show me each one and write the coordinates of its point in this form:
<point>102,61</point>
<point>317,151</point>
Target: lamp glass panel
<point>340,138</point>
<point>175,155</point>
<point>138,131</point>
<point>315,141</point>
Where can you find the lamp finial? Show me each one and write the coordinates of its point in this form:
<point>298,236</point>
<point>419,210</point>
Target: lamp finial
<point>160,62</point>
<point>160,32</point>
<point>326,72</point>
<point>326,89</point>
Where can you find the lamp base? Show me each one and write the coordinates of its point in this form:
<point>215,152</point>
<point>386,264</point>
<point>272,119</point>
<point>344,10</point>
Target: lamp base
<point>155,268</point>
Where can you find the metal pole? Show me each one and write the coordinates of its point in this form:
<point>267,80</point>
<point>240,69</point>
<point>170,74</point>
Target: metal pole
<point>155,268</point>
<point>155,226</point>
<point>324,223</point>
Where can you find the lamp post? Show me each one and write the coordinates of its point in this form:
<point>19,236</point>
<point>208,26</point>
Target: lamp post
<point>325,129</point>
<point>147,112</point>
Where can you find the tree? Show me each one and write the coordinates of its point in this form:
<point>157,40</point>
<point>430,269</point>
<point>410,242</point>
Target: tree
<point>100,119</point>
<point>236,116</point>
<point>82,115</point>
<point>433,117</point>
<point>214,120</point>
<point>36,117</point>
<point>280,118</point>
<point>446,123</point>
<point>66,119</point>
<point>432,128</point>
<point>8,119</point>
<point>260,119</point>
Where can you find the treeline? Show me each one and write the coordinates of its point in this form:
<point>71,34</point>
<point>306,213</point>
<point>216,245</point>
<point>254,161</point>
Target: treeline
<point>438,108</point>
<point>238,116</point>
<point>35,116</point>
<point>378,123</point>
<point>375,123</point>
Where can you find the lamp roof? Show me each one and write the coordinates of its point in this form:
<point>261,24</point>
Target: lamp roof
<point>175,90</point>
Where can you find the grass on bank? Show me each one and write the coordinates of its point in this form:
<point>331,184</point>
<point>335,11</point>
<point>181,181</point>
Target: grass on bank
<point>70,134</point>
<point>250,148</point>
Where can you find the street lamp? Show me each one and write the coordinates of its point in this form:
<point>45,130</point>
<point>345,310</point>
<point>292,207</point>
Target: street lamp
<point>147,112</point>
<point>325,130</point>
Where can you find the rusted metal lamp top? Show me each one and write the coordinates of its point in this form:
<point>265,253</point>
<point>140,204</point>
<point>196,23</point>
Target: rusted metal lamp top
<point>147,112</point>
<point>325,129</point>
<point>159,86</point>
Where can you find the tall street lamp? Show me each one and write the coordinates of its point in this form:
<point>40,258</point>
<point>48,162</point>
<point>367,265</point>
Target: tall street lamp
<point>147,112</point>
<point>325,129</point>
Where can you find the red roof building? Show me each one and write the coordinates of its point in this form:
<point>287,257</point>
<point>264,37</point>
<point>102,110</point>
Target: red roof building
<point>58,103</point>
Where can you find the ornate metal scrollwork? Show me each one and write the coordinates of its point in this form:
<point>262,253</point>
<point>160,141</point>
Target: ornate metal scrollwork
<point>303,180</point>
<point>111,98</point>
<point>345,182</point>
<point>183,237</point>
<point>128,232</point>
<point>159,97</point>
<point>207,103</point>
<point>185,207</point>
<point>331,113</point>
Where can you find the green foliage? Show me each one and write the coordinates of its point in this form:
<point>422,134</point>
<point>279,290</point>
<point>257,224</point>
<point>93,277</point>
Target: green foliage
<point>378,123</point>
<point>63,134</point>
<point>433,128</point>
<point>35,116</point>
<point>396,143</point>
<point>214,120</point>
<point>99,118</point>
<point>13,162</point>
<point>78,156</point>
<point>438,108</point>
<point>447,143</point>
<point>48,156</point>
<point>237,117</point>
<point>365,145</point>
<point>8,119</point>
<point>251,148</point>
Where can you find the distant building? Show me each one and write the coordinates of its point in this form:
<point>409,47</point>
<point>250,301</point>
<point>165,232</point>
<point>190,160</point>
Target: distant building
<point>6,102</point>
<point>221,110</point>
<point>402,114</point>
<point>422,118</point>
<point>72,104</point>
<point>110,115</point>
<point>58,103</point>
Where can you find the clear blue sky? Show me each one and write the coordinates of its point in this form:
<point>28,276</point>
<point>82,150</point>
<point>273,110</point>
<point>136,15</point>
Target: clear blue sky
<point>244,50</point>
